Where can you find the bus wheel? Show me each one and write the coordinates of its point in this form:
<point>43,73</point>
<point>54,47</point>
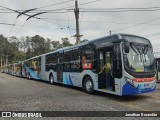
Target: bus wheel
<point>51,79</point>
<point>88,85</point>
<point>29,76</point>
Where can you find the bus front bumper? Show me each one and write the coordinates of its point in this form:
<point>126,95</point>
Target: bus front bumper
<point>128,89</point>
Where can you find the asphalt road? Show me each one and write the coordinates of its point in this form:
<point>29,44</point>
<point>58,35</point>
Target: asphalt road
<point>20,94</point>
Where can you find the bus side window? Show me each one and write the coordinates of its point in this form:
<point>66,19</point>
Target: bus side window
<point>75,59</point>
<point>88,58</point>
<point>66,60</point>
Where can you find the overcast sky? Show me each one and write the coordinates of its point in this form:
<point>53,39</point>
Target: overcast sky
<point>92,24</point>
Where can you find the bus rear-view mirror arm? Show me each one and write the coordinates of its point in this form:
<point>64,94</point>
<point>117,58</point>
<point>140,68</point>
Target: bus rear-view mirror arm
<point>126,47</point>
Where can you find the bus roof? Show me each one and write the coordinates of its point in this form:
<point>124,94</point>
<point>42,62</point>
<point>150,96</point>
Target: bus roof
<point>110,38</point>
<point>120,37</point>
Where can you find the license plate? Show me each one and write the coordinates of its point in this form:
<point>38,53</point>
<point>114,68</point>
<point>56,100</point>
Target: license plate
<point>147,85</point>
<point>144,86</point>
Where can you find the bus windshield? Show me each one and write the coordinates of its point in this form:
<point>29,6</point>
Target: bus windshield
<point>140,58</point>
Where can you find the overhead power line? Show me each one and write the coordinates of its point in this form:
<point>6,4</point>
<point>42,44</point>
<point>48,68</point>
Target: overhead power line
<point>118,10</point>
<point>71,10</point>
<point>91,9</point>
<point>101,22</point>
<point>6,24</point>
<point>34,16</point>
<point>89,2</point>
<point>9,24</point>
<point>26,14</point>
<point>49,11</point>
<point>46,6</point>
<point>152,35</point>
<point>36,12</point>
<point>137,24</point>
<point>28,18</point>
<point>68,20</point>
<point>11,28</point>
<point>55,4</point>
<point>42,6</point>
<point>78,5</point>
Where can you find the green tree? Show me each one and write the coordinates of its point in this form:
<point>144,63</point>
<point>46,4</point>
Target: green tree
<point>17,54</point>
<point>66,42</point>
<point>48,45</point>
<point>9,49</point>
<point>38,45</point>
<point>18,49</point>
<point>56,45</point>
<point>85,40</point>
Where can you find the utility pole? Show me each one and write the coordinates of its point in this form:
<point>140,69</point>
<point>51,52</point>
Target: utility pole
<point>76,11</point>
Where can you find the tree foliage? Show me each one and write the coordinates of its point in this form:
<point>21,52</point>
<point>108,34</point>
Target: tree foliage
<point>19,49</point>
<point>65,42</point>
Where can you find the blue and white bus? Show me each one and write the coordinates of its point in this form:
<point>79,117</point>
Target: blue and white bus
<point>129,59</point>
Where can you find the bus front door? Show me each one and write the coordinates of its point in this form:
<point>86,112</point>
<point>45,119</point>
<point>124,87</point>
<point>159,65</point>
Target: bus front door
<point>105,79</point>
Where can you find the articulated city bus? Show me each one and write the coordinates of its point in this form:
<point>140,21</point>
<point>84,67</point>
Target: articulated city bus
<point>5,68</point>
<point>11,69</point>
<point>18,69</point>
<point>119,64</point>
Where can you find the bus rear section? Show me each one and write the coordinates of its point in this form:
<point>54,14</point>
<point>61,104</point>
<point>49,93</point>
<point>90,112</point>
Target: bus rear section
<point>31,68</point>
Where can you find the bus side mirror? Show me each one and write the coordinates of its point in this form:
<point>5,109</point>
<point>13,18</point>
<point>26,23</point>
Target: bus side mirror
<point>126,47</point>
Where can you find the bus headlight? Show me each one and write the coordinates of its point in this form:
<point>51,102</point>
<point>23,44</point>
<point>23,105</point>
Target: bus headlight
<point>130,81</point>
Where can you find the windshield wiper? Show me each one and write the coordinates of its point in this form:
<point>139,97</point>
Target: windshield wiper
<point>137,51</point>
<point>133,48</point>
<point>146,48</point>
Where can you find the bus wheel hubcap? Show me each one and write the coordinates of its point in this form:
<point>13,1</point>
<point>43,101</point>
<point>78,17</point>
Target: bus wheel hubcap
<point>88,85</point>
<point>51,79</point>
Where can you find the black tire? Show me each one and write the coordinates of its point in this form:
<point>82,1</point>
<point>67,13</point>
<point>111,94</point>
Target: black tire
<point>51,79</point>
<point>88,85</point>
